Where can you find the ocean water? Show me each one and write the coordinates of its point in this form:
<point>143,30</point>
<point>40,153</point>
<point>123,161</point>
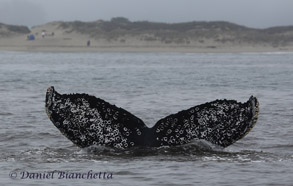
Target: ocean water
<point>151,86</point>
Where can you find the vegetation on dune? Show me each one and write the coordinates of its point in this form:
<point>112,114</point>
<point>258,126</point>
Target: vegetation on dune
<point>7,30</point>
<point>199,33</point>
<point>181,33</point>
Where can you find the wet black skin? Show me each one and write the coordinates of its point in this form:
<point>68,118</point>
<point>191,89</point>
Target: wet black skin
<point>87,120</point>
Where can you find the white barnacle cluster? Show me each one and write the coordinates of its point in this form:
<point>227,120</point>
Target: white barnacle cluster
<point>231,120</point>
<point>171,131</point>
<point>138,132</point>
<point>220,122</point>
<point>98,124</point>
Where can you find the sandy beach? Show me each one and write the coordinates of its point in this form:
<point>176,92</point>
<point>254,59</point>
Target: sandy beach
<point>58,39</point>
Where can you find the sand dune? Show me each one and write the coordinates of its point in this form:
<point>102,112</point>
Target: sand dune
<point>121,35</point>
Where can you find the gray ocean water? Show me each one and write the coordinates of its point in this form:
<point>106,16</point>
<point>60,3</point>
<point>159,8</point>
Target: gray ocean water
<point>151,86</point>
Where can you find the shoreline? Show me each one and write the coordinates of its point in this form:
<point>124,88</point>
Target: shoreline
<point>142,49</point>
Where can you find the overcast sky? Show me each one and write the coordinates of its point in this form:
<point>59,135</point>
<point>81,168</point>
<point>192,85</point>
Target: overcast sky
<point>251,13</point>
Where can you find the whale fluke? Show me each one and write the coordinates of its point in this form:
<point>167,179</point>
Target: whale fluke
<point>221,122</point>
<point>87,120</point>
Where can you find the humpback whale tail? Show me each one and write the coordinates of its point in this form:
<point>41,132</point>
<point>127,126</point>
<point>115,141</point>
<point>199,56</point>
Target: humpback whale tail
<point>221,122</point>
<point>87,120</point>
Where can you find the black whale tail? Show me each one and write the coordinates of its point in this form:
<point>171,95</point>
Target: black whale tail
<point>87,120</point>
<point>221,122</point>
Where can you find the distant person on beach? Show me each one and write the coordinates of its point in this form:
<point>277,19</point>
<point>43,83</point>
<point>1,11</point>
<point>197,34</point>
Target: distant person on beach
<point>43,34</point>
<point>88,43</point>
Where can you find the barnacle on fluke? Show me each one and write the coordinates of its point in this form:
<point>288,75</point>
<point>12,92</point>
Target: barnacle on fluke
<point>87,120</point>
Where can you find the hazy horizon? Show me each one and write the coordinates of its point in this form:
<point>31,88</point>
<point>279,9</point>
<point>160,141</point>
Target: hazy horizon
<point>250,13</point>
